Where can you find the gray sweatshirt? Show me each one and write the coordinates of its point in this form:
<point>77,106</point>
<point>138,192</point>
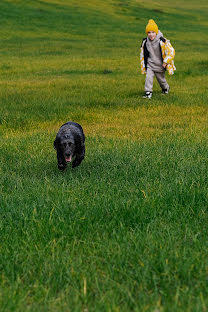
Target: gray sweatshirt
<point>155,60</point>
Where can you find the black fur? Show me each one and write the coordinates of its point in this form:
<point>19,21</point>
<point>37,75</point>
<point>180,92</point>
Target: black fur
<point>69,143</point>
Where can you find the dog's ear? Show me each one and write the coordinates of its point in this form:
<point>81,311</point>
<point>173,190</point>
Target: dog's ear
<point>77,141</point>
<point>55,144</point>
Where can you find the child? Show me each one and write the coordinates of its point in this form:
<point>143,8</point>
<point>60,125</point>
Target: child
<point>156,57</point>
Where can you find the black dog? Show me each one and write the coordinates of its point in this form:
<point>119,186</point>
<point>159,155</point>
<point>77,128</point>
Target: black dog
<point>69,143</point>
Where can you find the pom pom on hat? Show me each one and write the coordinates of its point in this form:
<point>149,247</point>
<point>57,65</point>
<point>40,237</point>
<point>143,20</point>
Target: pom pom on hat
<point>151,26</point>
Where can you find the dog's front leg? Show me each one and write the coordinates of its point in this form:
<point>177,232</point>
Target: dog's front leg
<point>61,160</point>
<point>78,159</point>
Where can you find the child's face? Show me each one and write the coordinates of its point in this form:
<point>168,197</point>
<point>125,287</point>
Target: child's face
<point>151,35</point>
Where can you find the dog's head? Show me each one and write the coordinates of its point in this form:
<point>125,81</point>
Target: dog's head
<point>66,143</point>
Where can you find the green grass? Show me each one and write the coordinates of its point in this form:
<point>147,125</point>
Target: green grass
<point>127,229</point>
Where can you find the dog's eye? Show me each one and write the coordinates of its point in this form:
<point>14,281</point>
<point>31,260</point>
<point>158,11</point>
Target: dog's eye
<point>64,144</point>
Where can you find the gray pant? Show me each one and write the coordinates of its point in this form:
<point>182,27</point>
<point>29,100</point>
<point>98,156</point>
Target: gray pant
<point>160,78</point>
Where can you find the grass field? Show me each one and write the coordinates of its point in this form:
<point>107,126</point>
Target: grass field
<point>127,230</point>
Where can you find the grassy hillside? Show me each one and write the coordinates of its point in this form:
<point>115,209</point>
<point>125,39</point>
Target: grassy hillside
<point>127,230</point>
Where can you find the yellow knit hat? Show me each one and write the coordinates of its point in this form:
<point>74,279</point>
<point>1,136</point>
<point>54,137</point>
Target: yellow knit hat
<point>151,26</point>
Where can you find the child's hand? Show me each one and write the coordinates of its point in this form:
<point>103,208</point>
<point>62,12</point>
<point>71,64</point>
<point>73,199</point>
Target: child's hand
<point>164,65</point>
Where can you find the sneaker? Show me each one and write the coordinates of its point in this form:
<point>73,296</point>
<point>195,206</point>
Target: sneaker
<point>165,91</point>
<point>147,95</point>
